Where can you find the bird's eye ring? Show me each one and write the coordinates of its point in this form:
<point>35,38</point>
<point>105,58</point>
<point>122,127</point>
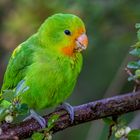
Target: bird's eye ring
<point>67,32</point>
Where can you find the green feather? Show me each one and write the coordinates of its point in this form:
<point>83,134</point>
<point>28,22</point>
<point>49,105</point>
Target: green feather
<point>49,74</point>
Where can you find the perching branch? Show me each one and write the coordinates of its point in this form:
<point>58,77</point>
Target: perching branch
<point>116,105</point>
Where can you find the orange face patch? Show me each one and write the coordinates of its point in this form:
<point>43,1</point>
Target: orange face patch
<point>69,50</point>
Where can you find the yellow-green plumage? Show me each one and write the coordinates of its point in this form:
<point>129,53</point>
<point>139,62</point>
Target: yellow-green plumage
<point>48,71</point>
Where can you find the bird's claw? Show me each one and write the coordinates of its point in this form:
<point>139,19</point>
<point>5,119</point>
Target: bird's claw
<point>69,109</point>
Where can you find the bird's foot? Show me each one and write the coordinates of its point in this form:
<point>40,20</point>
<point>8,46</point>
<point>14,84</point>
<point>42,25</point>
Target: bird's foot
<point>69,109</point>
<point>37,117</point>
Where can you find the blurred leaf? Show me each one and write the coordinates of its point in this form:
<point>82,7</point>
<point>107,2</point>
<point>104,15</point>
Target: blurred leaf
<point>137,73</point>
<point>137,45</point>
<point>134,135</point>
<point>37,136</point>
<point>133,65</point>
<point>108,121</point>
<point>130,78</point>
<point>22,108</point>
<point>137,25</point>
<point>138,32</point>
<point>135,52</point>
<point>51,121</point>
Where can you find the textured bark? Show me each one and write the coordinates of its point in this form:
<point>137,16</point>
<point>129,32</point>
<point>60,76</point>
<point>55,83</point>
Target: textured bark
<point>116,105</point>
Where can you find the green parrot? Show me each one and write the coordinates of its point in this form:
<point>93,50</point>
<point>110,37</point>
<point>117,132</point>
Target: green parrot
<point>48,62</point>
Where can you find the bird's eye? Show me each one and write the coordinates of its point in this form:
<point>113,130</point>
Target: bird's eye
<point>67,32</point>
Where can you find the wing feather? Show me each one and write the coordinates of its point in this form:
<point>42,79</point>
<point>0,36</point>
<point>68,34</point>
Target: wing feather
<point>19,62</point>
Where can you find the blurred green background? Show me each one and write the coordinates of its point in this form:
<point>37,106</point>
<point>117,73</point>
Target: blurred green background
<point>111,30</point>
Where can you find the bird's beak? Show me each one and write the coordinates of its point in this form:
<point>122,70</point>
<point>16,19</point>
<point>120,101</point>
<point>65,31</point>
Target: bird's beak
<point>81,43</point>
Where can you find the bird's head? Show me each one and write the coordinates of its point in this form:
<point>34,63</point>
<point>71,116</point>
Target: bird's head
<point>64,34</point>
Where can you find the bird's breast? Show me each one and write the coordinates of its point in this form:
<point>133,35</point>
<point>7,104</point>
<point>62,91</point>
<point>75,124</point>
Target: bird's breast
<point>50,82</point>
